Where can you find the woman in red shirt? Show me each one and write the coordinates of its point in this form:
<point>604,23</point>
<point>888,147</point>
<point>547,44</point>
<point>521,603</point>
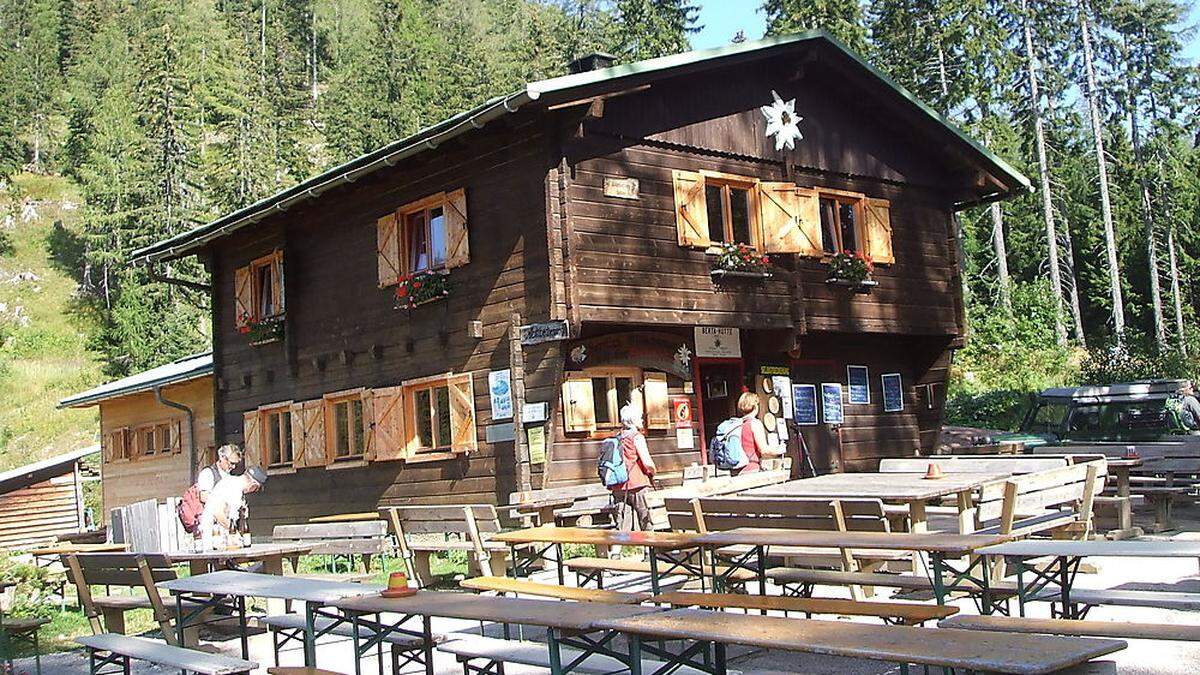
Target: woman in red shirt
<point>630,497</point>
<point>754,434</point>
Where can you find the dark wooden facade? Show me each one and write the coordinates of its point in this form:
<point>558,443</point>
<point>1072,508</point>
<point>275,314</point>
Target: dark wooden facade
<point>548,242</point>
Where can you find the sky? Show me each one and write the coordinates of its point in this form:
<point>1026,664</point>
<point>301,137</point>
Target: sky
<point>723,18</point>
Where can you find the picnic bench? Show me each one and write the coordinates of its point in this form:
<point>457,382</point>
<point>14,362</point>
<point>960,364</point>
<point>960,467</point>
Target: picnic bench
<point>422,531</point>
<point>116,651</point>
<point>1054,580</point>
<point>364,539</point>
<point>288,628</point>
<point>508,585</point>
<point>905,613</point>
<point>131,571</point>
<point>1113,629</point>
<point>944,647</point>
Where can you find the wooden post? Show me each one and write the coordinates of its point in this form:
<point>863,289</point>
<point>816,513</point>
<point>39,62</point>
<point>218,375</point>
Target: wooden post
<point>517,365</point>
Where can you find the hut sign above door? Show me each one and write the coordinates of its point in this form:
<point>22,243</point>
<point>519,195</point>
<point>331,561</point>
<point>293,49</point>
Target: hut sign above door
<point>718,343</point>
<point>549,331</point>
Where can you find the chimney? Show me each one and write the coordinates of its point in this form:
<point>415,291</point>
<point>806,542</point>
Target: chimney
<point>590,62</point>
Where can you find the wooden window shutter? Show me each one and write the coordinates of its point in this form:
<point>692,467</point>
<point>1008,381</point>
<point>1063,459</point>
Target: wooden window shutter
<point>463,436</point>
<point>277,287</point>
<point>691,213</point>
<point>658,407</point>
<point>251,437</point>
<point>386,440</point>
<point>175,429</point>
<point>879,230</point>
<point>298,445</point>
<point>783,212</point>
<point>314,433</point>
<point>243,297</point>
<point>579,409</point>
<point>387,246</point>
<point>458,249</point>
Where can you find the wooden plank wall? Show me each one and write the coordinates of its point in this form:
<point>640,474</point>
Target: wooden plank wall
<point>126,482</point>
<point>344,332</point>
<point>38,513</point>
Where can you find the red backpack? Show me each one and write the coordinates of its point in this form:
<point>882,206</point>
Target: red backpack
<point>190,507</point>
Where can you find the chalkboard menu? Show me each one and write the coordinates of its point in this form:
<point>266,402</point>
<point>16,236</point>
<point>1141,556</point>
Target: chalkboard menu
<point>858,380</point>
<point>804,403</point>
<point>893,392</point>
<point>831,403</point>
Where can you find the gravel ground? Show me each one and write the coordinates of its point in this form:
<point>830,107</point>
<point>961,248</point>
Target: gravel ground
<point>1141,658</point>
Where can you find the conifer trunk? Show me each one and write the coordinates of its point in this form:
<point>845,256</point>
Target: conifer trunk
<point>1106,214</point>
<point>1031,66</point>
<point>1176,296</point>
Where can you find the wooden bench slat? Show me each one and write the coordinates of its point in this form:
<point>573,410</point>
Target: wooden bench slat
<point>342,629</point>
<point>904,581</point>
<point>1189,602</point>
<point>626,565</point>
<point>166,655</point>
<point>537,655</point>
<point>1115,629</point>
<point>906,612</point>
<point>523,587</point>
<point>347,530</point>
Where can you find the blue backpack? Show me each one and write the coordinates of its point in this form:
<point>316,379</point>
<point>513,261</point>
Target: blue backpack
<point>725,449</point>
<point>611,465</point>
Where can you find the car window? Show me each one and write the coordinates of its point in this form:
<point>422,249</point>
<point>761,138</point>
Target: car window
<point>1047,417</point>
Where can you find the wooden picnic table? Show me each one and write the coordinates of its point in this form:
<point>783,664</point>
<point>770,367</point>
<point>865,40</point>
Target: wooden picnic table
<point>1058,574</point>
<point>566,623</point>
<point>270,555</point>
<point>676,550</point>
<point>913,489</point>
<point>945,647</point>
<point>941,548</point>
<point>228,589</point>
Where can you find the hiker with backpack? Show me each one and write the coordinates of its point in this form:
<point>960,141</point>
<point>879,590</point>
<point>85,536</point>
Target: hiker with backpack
<point>740,442</point>
<point>627,470</point>
<point>191,504</point>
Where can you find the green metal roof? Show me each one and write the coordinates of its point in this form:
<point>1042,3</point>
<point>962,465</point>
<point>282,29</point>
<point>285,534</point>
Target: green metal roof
<point>557,87</point>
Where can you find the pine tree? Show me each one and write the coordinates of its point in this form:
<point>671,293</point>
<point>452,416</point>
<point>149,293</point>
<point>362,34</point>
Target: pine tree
<point>32,70</point>
<point>843,19</point>
<point>650,28</point>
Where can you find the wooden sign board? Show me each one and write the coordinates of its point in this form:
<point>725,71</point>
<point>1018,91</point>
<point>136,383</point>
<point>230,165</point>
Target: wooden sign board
<point>719,343</point>
<point>621,188</point>
<point>549,331</point>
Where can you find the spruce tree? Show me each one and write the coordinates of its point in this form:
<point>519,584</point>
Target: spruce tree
<point>843,19</point>
<point>649,28</point>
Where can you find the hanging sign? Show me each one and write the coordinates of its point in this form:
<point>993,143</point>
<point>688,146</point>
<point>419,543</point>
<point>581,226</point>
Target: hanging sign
<point>893,392</point>
<point>831,403</point>
<point>500,389</point>
<point>550,331</point>
<point>804,403</point>
<point>858,380</point>
<point>718,343</point>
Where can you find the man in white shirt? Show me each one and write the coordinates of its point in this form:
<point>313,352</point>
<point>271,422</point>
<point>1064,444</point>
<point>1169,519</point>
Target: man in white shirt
<point>225,504</point>
<point>228,457</point>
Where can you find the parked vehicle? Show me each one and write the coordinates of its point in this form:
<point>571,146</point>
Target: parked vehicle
<point>1131,411</point>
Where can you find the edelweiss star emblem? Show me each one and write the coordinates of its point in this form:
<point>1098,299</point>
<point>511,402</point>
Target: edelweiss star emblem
<point>783,122</point>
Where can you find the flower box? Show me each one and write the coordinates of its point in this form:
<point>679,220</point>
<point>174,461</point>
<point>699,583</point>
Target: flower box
<point>422,288</point>
<point>863,286</point>
<point>720,274</point>
<point>264,332</point>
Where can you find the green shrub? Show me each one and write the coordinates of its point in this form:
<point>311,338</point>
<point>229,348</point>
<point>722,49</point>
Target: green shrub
<point>1001,409</point>
<point>35,591</point>
<point>1105,365</point>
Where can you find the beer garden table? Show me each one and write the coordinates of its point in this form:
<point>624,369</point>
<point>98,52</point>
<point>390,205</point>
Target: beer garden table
<point>570,624</point>
<point>913,489</point>
<point>229,589</point>
<point>972,651</point>
<point>1066,555</point>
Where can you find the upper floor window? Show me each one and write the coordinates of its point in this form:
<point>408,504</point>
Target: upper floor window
<point>778,217</point>
<point>840,223</point>
<point>258,290</point>
<point>423,236</point>
<point>277,436</point>
<point>162,438</point>
<point>116,444</point>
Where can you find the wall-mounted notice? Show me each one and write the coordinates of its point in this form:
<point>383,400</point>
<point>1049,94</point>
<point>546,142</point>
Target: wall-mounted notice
<point>893,392</point>
<point>804,403</point>
<point>719,343</point>
<point>782,385</point>
<point>831,403</point>
<point>536,438</point>
<point>500,388</point>
<point>858,381</point>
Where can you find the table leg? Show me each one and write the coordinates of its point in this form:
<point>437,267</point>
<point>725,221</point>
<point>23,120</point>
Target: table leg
<point>760,556</point>
<point>966,512</point>
<point>635,655</point>
<point>310,635</point>
<point>1122,473</point>
<point>719,660</point>
<point>916,517</point>
<point>558,558</point>
<point>197,567</point>
<point>427,628</point>
<point>179,617</point>
<point>242,630</point>
<point>654,585</point>
<point>556,667</point>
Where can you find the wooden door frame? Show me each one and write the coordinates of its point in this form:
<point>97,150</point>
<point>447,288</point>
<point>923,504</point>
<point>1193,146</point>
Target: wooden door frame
<point>698,361</point>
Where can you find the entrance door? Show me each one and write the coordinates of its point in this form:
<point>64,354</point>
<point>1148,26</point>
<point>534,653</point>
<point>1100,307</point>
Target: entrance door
<point>720,385</point>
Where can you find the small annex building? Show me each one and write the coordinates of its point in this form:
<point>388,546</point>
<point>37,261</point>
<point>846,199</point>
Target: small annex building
<point>460,314</point>
<point>156,429</point>
<point>44,500</point>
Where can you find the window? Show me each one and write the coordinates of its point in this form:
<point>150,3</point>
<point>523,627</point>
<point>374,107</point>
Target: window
<point>277,431</point>
<point>441,415</point>
<point>149,440</point>
<point>840,223</point>
<point>731,215</point>
<point>258,290</point>
<point>116,444</point>
<point>345,426</point>
<point>592,399</point>
<point>427,235</point>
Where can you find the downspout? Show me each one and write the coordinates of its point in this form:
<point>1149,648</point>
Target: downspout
<point>191,421</point>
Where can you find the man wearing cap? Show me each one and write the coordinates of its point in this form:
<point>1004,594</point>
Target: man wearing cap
<point>226,503</point>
